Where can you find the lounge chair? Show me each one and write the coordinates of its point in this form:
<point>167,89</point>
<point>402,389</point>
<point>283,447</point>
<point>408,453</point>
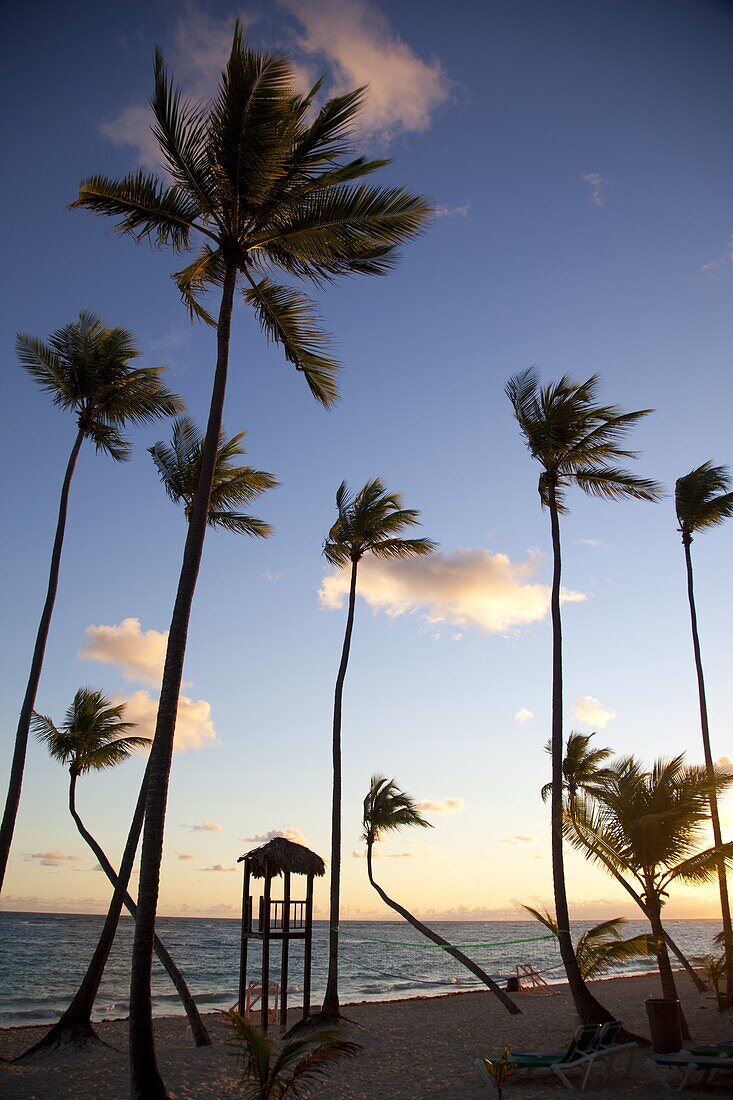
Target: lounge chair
<point>689,1063</point>
<point>590,1044</point>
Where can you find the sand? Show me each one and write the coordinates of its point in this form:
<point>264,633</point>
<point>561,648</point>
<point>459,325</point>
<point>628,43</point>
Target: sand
<point>423,1047</point>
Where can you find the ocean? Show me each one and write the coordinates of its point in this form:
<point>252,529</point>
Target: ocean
<point>43,956</point>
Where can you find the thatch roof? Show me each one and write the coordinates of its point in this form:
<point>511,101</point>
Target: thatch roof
<point>283,855</point>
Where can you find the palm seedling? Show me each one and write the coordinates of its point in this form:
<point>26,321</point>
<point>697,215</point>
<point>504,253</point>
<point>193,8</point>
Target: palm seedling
<point>577,442</point>
<point>94,737</point>
<point>387,809</point>
<point>265,183</point>
<point>368,522</point>
<point>703,499</point>
<point>601,948</point>
<point>87,369</point>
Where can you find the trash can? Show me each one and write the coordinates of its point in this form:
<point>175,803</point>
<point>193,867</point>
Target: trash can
<point>665,1023</point>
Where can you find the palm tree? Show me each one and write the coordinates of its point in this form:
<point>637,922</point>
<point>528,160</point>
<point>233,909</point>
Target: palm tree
<point>703,499</point>
<point>95,737</point>
<point>576,441</point>
<point>649,824</point>
<point>386,809</point>
<point>233,486</point>
<point>87,369</point>
<point>265,190</point>
<point>600,948</point>
<point>584,774</point>
<point>369,522</point>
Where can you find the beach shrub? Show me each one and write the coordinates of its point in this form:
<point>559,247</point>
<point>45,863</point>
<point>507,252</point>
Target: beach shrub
<point>500,1069</point>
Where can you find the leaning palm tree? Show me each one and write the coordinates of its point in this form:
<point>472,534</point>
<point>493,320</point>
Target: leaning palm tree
<point>88,370</point>
<point>584,774</point>
<point>576,441</point>
<point>703,499</point>
<point>233,486</point>
<point>93,738</point>
<point>649,825</point>
<point>601,948</point>
<point>369,522</point>
<point>265,183</point>
<point>387,809</point>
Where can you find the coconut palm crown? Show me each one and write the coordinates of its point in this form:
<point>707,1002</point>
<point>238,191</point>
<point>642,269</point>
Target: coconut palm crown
<point>601,947</point>
<point>94,735</point>
<point>576,440</point>
<point>262,182</point>
<point>387,808</point>
<point>234,486</point>
<point>581,767</point>
<point>371,521</point>
<point>703,499</point>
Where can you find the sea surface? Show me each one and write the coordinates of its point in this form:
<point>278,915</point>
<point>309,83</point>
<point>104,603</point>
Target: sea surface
<point>43,956</point>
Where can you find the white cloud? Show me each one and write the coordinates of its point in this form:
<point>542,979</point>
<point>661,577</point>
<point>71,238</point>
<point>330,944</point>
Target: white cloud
<point>220,867</point>
<point>725,764</point>
<point>360,853</point>
<point>361,47</point>
<point>460,211</point>
<point>589,542</point>
<point>207,827</point>
<point>50,859</point>
<point>598,186</point>
<point>722,261</point>
<point>289,833</point>
<point>186,856</point>
<point>518,838</point>
<point>464,588</point>
<point>523,715</point>
<point>139,653</point>
<point>268,575</point>
<point>441,806</point>
<point>589,712</point>
<point>194,727</point>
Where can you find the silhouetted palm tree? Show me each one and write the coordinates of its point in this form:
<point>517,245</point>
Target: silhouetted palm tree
<point>369,522</point>
<point>88,370</point>
<point>600,948</point>
<point>387,809</point>
<point>576,441</point>
<point>94,737</point>
<point>703,499</point>
<point>263,179</point>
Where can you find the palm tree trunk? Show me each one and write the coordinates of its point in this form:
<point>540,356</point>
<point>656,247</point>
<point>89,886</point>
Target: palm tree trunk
<point>424,930</point>
<point>147,1083</point>
<point>331,1007</point>
<point>689,969</point>
<point>588,1008</point>
<point>666,974</point>
<point>714,815</point>
<point>200,1034</point>
<point>29,700</point>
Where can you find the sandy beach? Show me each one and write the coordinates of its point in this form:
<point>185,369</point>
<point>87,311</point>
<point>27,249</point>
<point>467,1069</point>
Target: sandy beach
<point>417,1048</point>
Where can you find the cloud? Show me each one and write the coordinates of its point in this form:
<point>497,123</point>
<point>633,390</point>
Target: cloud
<point>589,542</point>
<point>51,859</point>
<point>268,575</point>
<point>361,47</point>
<point>220,867</point>
<point>725,764</point>
<point>377,853</point>
<point>446,805</point>
<point>722,261</point>
<point>206,827</point>
<point>517,838</point>
<point>194,727</point>
<point>186,856</point>
<point>289,833</point>
<point>598,186</point>
<point>139,653</point>
<point>452,211</point>
<point>465,588</point>
<point>523,715</point>
<point>589,712</point>
<point>201,45</point>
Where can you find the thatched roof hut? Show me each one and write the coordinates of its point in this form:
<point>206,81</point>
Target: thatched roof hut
<point>283,855</point>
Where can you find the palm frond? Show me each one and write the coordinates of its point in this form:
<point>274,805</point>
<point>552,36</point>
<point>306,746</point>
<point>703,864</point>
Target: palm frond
<point>144,207</point>
<point>703,498</point>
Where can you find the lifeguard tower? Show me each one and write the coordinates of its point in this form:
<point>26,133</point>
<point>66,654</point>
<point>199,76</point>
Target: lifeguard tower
<point>282,919</point>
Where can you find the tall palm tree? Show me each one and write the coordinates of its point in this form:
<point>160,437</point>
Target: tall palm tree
<point>703,499</point>
<point>233,486</point>
<point>649,825</point>
<point>95,737</point>
<point>87,369</point>
<point>576,441</point>
<point>264,190</point>
<point>600,948</point>
<point>386,809</point>
<point>368,522</point>
<point>584,774</point>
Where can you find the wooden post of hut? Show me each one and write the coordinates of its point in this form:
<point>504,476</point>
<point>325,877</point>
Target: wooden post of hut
<point>284,920</point>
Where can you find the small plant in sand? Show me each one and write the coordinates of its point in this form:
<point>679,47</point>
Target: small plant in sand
<point>272,1070</point>
<point>714,969</point>
<point>500,1069</point>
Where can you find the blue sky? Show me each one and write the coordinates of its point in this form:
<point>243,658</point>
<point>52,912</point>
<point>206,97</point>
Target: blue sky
<point>578,155</point>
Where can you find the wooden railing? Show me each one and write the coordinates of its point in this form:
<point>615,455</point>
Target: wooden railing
<point>277,915</point>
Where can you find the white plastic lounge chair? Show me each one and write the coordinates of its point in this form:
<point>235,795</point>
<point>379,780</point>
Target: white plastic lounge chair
<point>688,1064</point>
